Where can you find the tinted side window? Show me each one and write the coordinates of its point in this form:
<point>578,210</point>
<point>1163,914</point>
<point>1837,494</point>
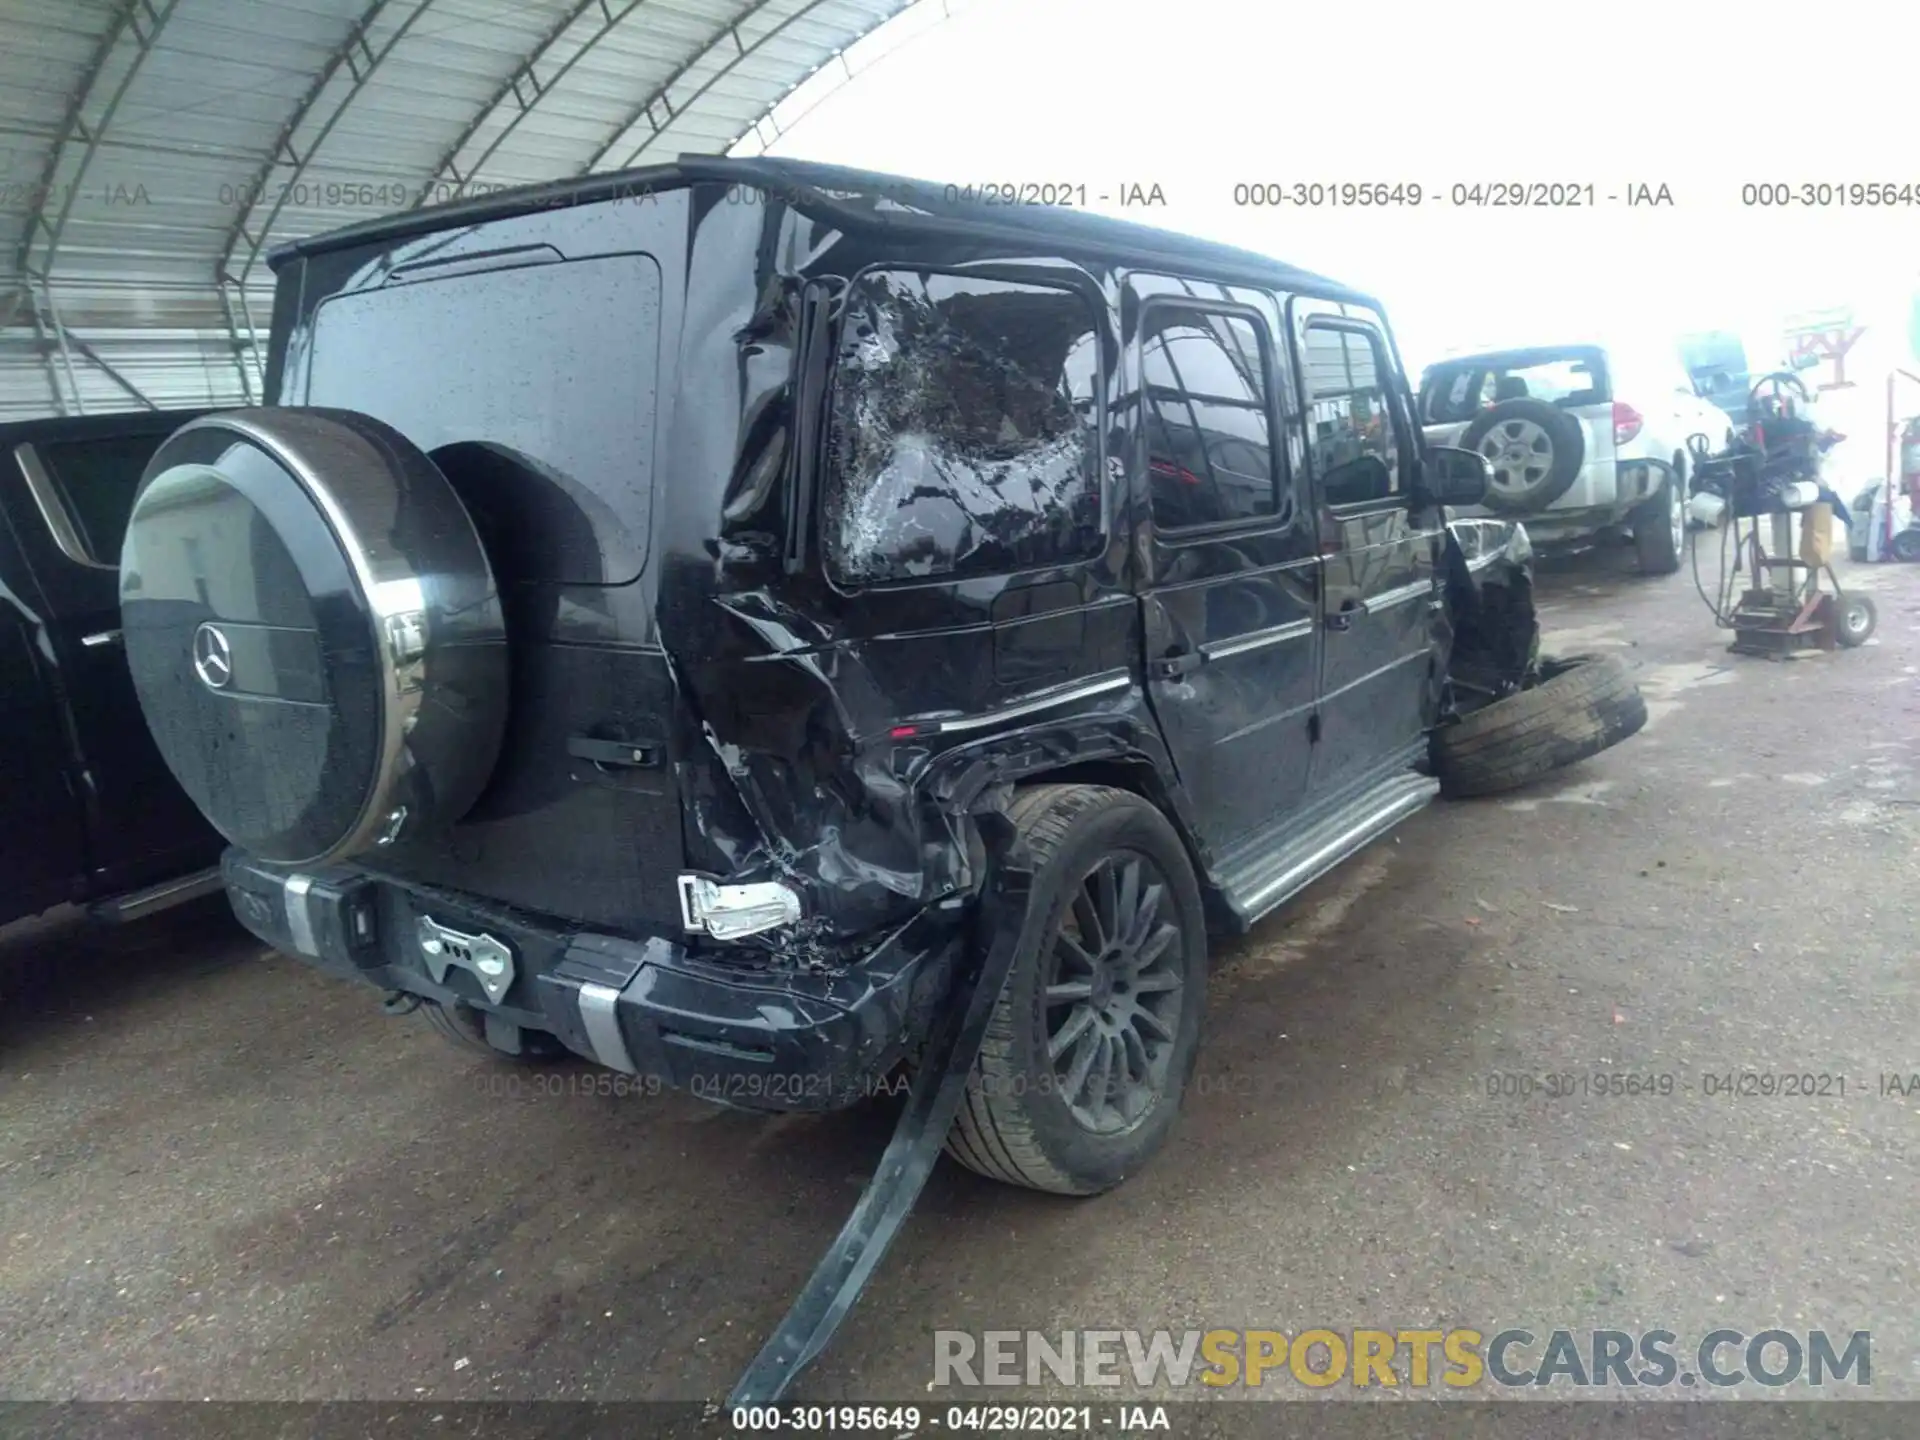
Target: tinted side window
<point>964,434</point>
<point>1204,410</point>
<point>1349,417</point>
<point>96,480</point>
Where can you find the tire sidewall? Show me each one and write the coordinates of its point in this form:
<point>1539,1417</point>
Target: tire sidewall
<point>1660,527</point>
<point>1677,506</point>
<point>1591,725</point>
<point>1098,1162</point>
<point>1848,637</point>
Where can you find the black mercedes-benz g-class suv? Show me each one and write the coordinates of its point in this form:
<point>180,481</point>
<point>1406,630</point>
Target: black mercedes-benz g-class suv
<point>659,605</point>
<point>89,814</point>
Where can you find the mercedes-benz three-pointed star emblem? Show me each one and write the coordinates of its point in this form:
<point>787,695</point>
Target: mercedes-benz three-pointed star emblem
<point>212,657</point>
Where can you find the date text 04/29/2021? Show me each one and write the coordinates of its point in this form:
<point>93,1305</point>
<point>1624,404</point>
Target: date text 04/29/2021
<point>900,1420</point>
<point>1717,1084</point>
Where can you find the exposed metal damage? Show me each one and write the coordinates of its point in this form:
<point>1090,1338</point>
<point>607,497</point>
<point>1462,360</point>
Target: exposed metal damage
<point>1495,632</point>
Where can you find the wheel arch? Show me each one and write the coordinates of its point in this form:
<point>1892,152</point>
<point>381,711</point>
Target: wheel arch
<point>1121,752</point>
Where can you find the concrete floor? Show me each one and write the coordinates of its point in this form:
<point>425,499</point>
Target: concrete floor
<point>221,1175</point>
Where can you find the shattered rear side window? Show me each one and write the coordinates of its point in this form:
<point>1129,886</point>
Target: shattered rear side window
<point>964,433</point>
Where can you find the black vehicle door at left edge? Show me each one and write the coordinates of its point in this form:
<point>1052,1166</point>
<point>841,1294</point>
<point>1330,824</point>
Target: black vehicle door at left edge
<point>1380,597</point>
<point>69,498</point>
<point>40,851</point>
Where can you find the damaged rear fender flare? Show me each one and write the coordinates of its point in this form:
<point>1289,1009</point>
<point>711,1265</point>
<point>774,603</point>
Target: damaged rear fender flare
<point>1120,750</point>
<point>1583,705</point>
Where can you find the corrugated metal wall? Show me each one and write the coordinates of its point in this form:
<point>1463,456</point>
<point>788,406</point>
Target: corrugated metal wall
<point>152,151</point>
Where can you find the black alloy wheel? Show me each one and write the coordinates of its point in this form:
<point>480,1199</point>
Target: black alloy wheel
<point>1113,994</point>
<point>1092,1043</point>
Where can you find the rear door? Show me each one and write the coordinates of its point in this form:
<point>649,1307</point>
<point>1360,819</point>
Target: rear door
<point>549,440</point>
<point>1378,598</point>
<point>70,496</point>
<point>1230,595</point>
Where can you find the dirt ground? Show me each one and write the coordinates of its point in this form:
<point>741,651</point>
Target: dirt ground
<point>222,1175</point>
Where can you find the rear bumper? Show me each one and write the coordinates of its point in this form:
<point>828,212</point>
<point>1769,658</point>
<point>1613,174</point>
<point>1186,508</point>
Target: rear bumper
<point>753,1037</point>
<point>1604,493</point>
<point>1639,480</point>
<point>1598,500</point>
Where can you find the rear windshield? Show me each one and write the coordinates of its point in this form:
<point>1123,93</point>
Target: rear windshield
<point>534,386</point>
<point>1458,390</point>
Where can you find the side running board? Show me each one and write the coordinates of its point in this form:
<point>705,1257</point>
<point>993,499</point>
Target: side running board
<point>938,1088</point>
<point>123,909</point>
<point>1272,876</point>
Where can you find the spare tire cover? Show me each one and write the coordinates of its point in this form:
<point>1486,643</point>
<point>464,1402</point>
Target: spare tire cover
<point>314,632</point>
<point>1507,437</point>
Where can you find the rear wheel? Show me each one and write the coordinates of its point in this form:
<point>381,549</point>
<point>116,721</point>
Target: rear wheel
<point>1089,1051</point>
<point>1905,546</point>
<point>1660,527</point>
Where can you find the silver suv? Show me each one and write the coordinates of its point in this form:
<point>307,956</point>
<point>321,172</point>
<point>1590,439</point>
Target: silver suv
<point>1583,440</point>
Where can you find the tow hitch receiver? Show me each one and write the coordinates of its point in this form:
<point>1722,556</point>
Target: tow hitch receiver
<point>932,1104</point>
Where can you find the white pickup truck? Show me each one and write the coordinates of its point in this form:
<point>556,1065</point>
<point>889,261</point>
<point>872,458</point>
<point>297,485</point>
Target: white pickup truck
<point>1584,440</point>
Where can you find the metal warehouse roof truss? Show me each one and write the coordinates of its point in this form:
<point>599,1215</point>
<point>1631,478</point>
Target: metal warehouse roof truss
<point>154,151</point>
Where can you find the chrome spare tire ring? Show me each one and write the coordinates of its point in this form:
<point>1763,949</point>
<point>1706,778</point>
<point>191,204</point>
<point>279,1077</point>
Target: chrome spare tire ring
<point>314,631</point>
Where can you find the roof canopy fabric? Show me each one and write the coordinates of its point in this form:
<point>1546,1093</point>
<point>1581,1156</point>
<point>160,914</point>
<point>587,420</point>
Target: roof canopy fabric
<point>155,150</point>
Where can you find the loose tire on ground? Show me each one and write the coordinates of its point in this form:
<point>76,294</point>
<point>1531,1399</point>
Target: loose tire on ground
<point>1022,1122</point>
<point>465,1027</point>
<point>1660,527</point>
<point>1583,705</point>
<point>1857,620</point>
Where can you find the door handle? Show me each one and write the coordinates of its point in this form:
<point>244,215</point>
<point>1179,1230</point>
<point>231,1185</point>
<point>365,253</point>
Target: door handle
<point>1342,619</point>
<point>1177,662</point>
<point>618,753</point>
<point>99,638</point>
